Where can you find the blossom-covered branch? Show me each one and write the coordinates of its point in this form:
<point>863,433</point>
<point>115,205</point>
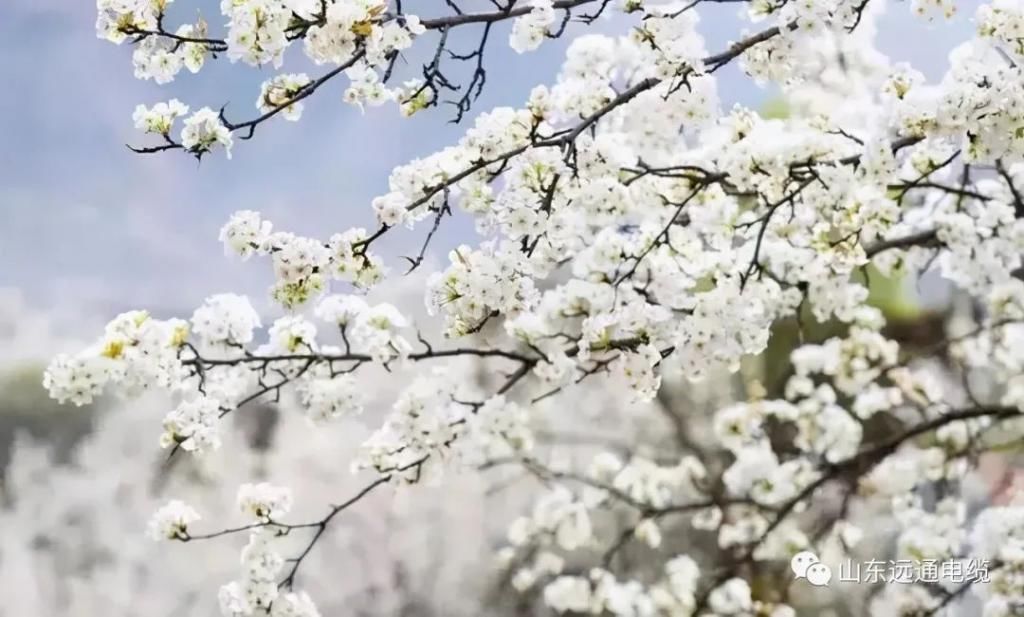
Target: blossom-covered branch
<point>634,230</point>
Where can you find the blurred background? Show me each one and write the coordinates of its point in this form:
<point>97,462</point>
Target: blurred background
<point>89,229</point>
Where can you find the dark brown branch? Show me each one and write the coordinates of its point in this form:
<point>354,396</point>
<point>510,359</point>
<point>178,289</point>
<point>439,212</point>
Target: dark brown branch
<point>922,238</point>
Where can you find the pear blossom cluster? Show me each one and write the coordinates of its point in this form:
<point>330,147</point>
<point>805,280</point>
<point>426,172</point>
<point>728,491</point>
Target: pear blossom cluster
<point>256,592</point>
<point>159,59</point>
<point>225,320</point>
<point>479,283</point>
<point>302,266</point>
<point>171,521</point>
<point>280,92</point>
<point>160,118</point>
<point>328,397</point>
<point>117,18</point>
<point>360,36</point>
<point>563,522</point>
<point>1002,21</point>
<point>204,131</point>
<point>264,502</point>
<point>257,30</point>
<point>560,518</point>
<point>996,347</point>
<point>633,233</point>
<point>136,352</point>
<point>530,30</point>
<point>996,535</point>
<point>193,425</point>
<point>431,424</point>
<point>600,592</point>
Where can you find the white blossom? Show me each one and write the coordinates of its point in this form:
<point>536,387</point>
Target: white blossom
<point>203,131</point>
<point>264,502</point>
<point>529,31</point>
<point>193,425</point>
<point>642,246</point>
<point>245,234</point>
<point>280,92</point>
<point>160,118</point>
<point>171,521</point>
<point>225,319</point>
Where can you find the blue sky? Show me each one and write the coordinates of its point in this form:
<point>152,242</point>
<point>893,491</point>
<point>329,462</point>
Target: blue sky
<point>87,227</point>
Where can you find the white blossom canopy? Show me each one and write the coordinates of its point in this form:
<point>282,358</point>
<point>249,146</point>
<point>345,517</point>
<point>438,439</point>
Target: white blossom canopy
<point>630,230</point>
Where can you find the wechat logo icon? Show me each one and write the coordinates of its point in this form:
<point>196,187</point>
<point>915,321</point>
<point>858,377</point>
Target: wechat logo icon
<point>806,565</point>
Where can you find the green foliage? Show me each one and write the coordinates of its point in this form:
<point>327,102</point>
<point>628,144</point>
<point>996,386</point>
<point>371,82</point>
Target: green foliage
<point>775,109</point>
<point>26,406</point>
<point>891,295</point>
